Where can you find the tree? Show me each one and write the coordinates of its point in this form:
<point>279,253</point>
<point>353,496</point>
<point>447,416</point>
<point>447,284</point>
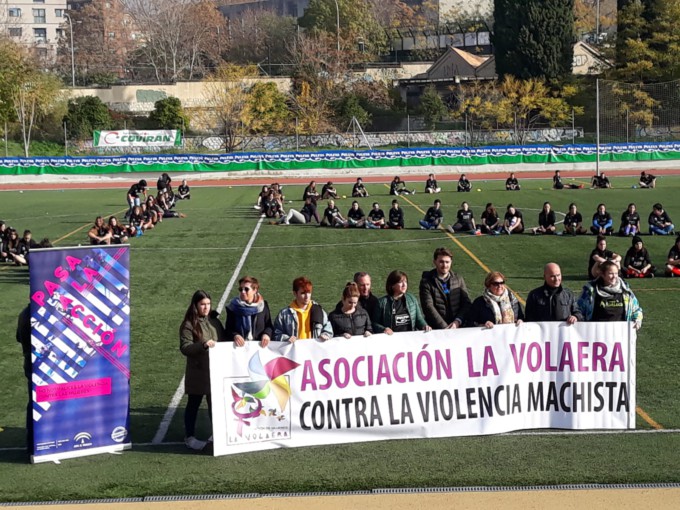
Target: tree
<point>34,95</point>
<point>266,110</point>
<point>523,105</point>
<point>432,106</point>
<point>168,114</point>
<point>13,64</point>
<point>181,39</point>
<point>534,38</point>
<point>227,93</point>
<point>85,115</point>
<point>357,23</point>
<point>350,108</point>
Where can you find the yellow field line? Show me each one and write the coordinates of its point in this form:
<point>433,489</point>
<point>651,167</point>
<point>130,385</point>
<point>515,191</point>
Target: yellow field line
<point>641,413</point>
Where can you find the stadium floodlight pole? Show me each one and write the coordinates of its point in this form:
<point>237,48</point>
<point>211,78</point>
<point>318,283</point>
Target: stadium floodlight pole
<point>73,58</point>
<point>597,127</point>
<point>337,24</point>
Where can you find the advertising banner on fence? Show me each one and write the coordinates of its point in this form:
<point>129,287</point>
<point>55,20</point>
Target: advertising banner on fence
<point>80,337</point>
<point>138,138</point>
<point>415,385</point>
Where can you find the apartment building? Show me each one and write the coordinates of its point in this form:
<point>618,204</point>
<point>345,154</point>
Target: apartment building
<point>38,24</point>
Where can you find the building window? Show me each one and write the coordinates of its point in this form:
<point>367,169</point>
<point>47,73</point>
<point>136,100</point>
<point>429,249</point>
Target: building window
<point>14,12</point>
<point>60,33</point>
<point>40,35</point>
<point>59,13</point>
<point>39,16</point>
<point>38,1</point>
<point>15,32</point>
<point>112,35</point>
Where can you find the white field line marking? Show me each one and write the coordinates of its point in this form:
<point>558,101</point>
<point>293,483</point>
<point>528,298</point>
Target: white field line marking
<point>179,393</point>
<point>521,433</point>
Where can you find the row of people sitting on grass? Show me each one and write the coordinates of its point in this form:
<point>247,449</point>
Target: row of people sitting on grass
<point>444,303</point>
<point>636,263</point>
<point>15,249</point>
<point>355,218</point>
<point>659,222</point>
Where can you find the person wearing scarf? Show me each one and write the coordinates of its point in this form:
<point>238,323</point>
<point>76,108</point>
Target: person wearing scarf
<point>248,316</point>
<point>496,305</point>
<point>609,298</point>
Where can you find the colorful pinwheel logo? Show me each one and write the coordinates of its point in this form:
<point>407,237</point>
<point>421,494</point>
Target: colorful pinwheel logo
<point>265,379</point>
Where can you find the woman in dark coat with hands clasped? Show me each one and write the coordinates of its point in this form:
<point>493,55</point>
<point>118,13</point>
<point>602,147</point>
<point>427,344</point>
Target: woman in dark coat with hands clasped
<point>198,333</point>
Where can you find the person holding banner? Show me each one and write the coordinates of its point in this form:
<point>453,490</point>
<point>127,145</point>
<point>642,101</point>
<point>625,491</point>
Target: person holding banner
<point>497,305</point>
<point>248,316</point>
<point>399,310</point>
<point>303,318</point>
<point>23,336</point>
<point>551,301</point>
<point>349,318</point>
<point>198,333</point>
<point>608,298</point>
<point>443,294</point>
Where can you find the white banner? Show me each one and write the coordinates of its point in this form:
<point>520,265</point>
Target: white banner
<point>414,385</point>
<point>138,138</point>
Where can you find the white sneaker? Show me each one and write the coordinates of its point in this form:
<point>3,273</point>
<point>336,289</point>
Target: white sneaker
<point>194,444</point>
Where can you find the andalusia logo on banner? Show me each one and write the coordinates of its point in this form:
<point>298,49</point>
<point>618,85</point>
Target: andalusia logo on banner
<point>259,409</point>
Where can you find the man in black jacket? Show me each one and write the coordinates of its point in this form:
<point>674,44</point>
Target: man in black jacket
<point>551,301</point>
<point>443,294</point>
<point>366,298</point>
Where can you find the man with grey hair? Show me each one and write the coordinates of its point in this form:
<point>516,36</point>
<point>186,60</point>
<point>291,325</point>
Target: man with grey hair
<point>551,301</point>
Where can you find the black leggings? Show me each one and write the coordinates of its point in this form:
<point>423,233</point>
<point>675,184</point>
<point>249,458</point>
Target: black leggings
<point>191,413</point>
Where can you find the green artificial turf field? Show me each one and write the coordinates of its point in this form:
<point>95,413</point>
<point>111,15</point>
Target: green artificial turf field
<point>201,251</point>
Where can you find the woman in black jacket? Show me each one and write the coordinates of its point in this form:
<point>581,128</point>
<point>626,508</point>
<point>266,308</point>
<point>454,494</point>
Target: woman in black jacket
<point>248,315</point>
<point>349,319</point>
<point>497,305</point>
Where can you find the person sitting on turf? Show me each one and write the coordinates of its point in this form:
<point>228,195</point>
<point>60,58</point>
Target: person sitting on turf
<point>465,221</point>
<point>443,293</point>
<point>513,222</point>
<point>359,190</point>
<point>636,263</point>
<point>278,193</point>
<point>398,187</point>
<point>99,233</point>
<point>464,185</point>
<point>199,333</point>
<point>558,184</point>
<point>133,195</point>
<point>329,191</point>
<point>303,216</point>
<point>395,216</point>
<point>138,223</point>
<point>23,247</point>
<point>248,315</point>
<point>573,222</point>
<point>152,210</point>
<point>551,301</point>
<point>310,192</point>
<point>600,255</point>
<point>491,223</point>
<point>660,222</point>
<point>609,298</point>
<point>431,185</point>
<point>546,221</point>
<point>630,221</point>
<point>349,318</point>
<point>600,182</point>
<point>647,180</point>
<point>603,224</point>
<point>511,183</point>
<point>272,207</point>
<point>497,305</point>
<point>355,216</point>
<point>303,318</point>
<point>4,237</point>
<point>376,217</point>
<point>262,198</point>
<point>119,233</point>
<point>673,259</point>
<point>433,217</point>
<point>184,192</point>
<point>332,216</point>
<point>398,310</point>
